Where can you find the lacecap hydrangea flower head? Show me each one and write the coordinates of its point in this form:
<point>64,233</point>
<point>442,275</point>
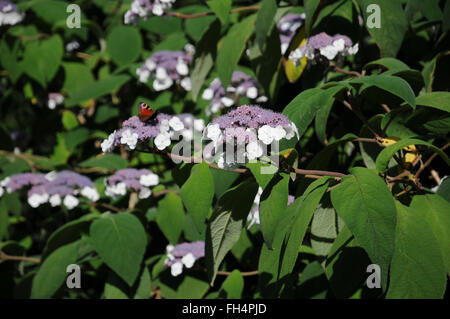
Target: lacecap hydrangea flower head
<point>54,99</point>
<point>137,180</point>
<point>287,28</point>
<point>55,188</point>
<point>324,45</point>
<point>249,129</point>
<point>184,254</point>
<point>9,14</point>
<point>241,85</point>
<point>143,9</point>
<point>166,68</point>
<point>162,129</point>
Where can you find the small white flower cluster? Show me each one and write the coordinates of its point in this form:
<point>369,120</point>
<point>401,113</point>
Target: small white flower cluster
<point>54,99</point>
<point>138,180</point>
<point>324,45</point>
<point>253,217</point>
<point>176,268</point>
<point>108,144</point>
<point>142,9</point>
<point>9,15</point>
<point>129,138</point>
<point>175,128</point>
<point>184,254</point>
<point>167,68</point>
<point>72,46</point>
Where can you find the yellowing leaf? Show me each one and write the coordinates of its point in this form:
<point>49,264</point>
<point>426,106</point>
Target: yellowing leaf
<point>410,157</point>
<point>389,141</point>
<point>292,71</point>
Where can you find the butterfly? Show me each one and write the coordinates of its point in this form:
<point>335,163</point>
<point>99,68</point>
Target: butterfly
<point>146,112</point>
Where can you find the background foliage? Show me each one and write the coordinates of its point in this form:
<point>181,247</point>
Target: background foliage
<point>320,245</point>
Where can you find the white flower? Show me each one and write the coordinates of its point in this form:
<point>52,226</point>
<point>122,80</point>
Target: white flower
<point>176,124</point>
<point>129,138</point>
<point>128,17</point>
<point>262,99</point>
<point>254,150</point>
<point>176,269</point>
<point>90,193</point>
<point>189,48</point>
<point>215,107</point>
<point>107,144</point>
<point>169,250</point>
<point>329,52</point>
<point>11,17</point>
<point>149,180</point>
<point>138,9</point>
<point>186,83</point>
<point>291,131</point>
<point>214,132</point>
<point>115,190</point>
<point>150,64</point>
<point>227,101</point>
<point>353,49</point>
<point>284,47</point>
<point>144,74</point>
<point>157,10</point>
<point>36,200</point>
<point>182,67</point>
<point>188,134</point>
<point>188,260</point>
<point>252,92</point>
<point>144,193</point>
<point>161,73</point>
<point>55,200</point>
<point>208,94</point>
<point>72,45</point>
<point>162,141</point>
<point>199,125</point>
<point>265,134</point>
<point>162,84</point>
<point>5,181</point>
<point>71,202</point>
<point>278,133</point>
<point>1,191</point>
<point>51,104</point>
<point>164,127</point>
<point>339,44</point>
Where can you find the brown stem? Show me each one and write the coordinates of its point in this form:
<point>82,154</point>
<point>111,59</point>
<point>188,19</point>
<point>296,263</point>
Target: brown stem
<point>340,70</point>
<point>202,14</point>
<point>245,273</point>
<point>428,162</point>
<point>5,257</point>
<point>385,107</point>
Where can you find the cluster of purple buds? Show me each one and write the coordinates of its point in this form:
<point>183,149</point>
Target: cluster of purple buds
<point>9,14</point>
<point>137,180</point>
<point>241,85</point>
<point>54,99</point>
<point>253,216</point>
<point>287,28</point>
<point>184,254</point>
<point>142,9</point>
<point>163,129</point>
<point>249,129</point>
<point>54,188</point>
<point>324,45</point>
<point>167,68</point>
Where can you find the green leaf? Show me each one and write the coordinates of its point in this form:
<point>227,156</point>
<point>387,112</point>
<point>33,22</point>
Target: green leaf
<point>393,25</point>
<point>226,224</point>
<point>77,76</point>
<point>170,218</point>
<point>124,54</point>
<point>366,205</point>
<point>437,100</point>
<point>52,273</point>
<point>435,210</point>
<point>444,189</point>
<point>205,54</point>
<point>388,83</point>
<point>186,287</point>
<point>198,192</point>
<point>302,109</point>
<point>69,120</point>
<point>272,205</point>
<point>388,63</point>
<point>232,47</point>
<point>262,177</point>
<point>417,269</point>
<point>311,7</point>
<point>265,21</point>
<point>120,240</point>
<point>97,89</point>
<point>60,152</point>
<point>304,208</point>
<point>386,154</point>
<point>50,11</point>
<point>221,9</point>
<point>446,17</point>
<point>233,285</point>
<point>109,161</point>
<point>8,60</point>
